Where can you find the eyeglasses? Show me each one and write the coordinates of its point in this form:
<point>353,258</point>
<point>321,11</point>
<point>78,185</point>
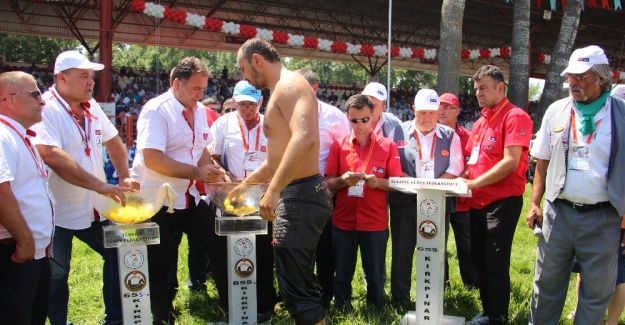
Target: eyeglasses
<point>229,109</point>
<point>35,93</point>
<point>247,104</point>
<point>578,77</point>
<point>360,120</point>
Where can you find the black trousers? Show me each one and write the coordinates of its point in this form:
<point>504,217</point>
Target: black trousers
<point>460,223</point>
<point>24,289</point>
<point>194,221</point>
<point>492,232</point>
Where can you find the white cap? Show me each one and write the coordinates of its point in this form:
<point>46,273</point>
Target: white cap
<point>583,59</point>
<point>245,92</point>
<point>426,100</point>
<point>376,90</point>
<point>74,60</point>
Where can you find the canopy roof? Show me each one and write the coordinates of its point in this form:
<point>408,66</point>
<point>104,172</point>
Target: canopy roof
<point>416,23</point>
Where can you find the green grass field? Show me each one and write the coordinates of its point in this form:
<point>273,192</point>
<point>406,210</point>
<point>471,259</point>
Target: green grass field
<point>86,306</point>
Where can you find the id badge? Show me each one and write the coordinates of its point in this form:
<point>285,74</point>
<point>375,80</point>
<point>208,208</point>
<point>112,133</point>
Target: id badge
<point>251,161</point>
<point>475,153</point>
<point>426,169</point>
<point>357,190</point>
<point>580,158</point>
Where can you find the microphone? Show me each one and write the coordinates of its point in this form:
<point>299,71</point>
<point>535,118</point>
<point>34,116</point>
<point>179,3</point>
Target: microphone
<point>538,231</point>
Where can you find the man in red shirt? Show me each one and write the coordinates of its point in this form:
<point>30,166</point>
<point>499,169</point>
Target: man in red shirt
<point>358,169</point>
<point>448,115</point>
<point>496,175</point>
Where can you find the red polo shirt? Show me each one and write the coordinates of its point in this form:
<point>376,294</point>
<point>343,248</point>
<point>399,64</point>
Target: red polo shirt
<point>502,126</point>
<point>464,135</point>
<point>368,213</point>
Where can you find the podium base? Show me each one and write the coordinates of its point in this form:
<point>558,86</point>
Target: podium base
<point>411,319</point>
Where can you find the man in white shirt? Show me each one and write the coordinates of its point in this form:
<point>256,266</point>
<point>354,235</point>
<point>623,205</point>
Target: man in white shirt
<point>26,221</point>
<point>70,140</point>
<point>579,170</point>
<point>240,147</point>
<point>333,125</point>
<point>427,150</point>
<point>172,141</point>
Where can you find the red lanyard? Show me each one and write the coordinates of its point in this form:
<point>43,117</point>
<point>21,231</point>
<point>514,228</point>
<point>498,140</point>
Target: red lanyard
<point>574,126</point>
<point>351,154</point>
<point>246,145</point>
<point>499,108</point>
<point>84,134</point>
<point>416,136</point>
<point>33,154</point>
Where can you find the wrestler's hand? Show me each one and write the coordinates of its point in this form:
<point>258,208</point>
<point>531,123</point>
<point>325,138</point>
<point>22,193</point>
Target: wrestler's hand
<point>115,192</point>
<point>351,178</point>
<point>372,181</point>
<point>534,213</point>
<point>623,244</point>
<point>132,183</point>
<point>24,250</point>
<point>268,204</point>
<point>211,173</point>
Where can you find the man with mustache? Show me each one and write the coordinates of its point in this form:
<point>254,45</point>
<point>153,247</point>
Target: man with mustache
<point>579,171</point>
<point>496,175</point>
<point>70,140</point>
<point>172,141</point>
<point>27,218</point>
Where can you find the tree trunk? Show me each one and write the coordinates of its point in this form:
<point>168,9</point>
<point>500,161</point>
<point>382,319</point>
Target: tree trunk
<point>519,61</point>
<point>559,59</point>
<point>450,44</point>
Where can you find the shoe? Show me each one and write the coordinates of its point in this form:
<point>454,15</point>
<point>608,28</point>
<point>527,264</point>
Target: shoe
<point>483,320</point>
<point>264,317</point>
<point>478,316</point>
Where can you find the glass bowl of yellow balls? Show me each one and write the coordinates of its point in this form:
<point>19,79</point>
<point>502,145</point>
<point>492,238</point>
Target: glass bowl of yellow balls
<point>140,205</point>
<point>239,199</point>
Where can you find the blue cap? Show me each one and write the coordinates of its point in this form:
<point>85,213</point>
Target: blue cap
<point>244,92</point>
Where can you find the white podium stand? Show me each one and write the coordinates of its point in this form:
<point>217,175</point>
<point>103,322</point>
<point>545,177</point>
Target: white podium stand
<point>241,236</point>
<point>430,259</point>
<point>131,241</point>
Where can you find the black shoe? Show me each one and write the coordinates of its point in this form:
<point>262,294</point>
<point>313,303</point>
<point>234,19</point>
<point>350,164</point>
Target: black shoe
<point>263,317</point>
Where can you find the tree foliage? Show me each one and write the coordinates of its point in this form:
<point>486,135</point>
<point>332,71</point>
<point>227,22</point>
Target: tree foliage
<point>31,49</point>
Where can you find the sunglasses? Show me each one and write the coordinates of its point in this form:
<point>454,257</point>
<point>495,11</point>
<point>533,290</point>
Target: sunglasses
<point>230,109</point>
<point>35,93</point>
<point>360,120</point>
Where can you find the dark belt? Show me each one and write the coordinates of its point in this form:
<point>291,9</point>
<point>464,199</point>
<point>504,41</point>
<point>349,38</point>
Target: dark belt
<point>8,241</point>
<point>584,207</point>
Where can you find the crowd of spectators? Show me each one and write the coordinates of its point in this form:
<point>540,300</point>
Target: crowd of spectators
<point>131,89</point>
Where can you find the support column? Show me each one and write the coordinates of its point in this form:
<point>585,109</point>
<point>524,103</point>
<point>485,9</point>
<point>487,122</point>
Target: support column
<point>106,49</point>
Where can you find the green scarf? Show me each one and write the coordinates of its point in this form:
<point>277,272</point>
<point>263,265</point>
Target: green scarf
<point>589,111</point>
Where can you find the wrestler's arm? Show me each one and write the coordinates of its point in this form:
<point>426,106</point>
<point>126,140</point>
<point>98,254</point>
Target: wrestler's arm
<point>299,111</point>
<point>260,175</point>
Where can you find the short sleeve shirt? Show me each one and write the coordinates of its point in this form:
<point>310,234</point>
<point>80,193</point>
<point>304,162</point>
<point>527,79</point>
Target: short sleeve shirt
<point>368,213</point>
<point>59,128</point>
<point>502,126</point>
<point>18,167</point>
<point>163,126</point>
<point>228,132</point>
